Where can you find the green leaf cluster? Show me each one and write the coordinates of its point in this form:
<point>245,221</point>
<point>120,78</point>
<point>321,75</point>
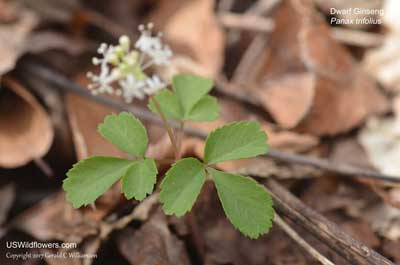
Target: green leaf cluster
<point>91,177</point>
<point>246,203</point>
<point>188,100</point>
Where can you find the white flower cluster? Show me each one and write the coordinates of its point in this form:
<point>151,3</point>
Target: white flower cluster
<point>122,69</point>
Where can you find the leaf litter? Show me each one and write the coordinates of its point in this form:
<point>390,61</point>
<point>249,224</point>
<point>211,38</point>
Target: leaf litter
<point>314,97</point>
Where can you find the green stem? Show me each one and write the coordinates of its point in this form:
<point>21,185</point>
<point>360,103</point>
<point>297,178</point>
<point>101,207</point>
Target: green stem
<point>167,126</point>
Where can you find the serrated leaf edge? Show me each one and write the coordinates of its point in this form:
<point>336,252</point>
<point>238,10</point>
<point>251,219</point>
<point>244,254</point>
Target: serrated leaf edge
<point>112,115</point>
<point>268,225</point>
<point>196,196</point>
<point>74,168</point>
<point>147,193</point>
<point>235,124</point>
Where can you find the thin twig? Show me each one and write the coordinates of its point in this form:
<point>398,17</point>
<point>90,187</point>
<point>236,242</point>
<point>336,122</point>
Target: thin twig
<point>225,5</point>
<point>300,241</point>
<point>262,7</point>
<point>250,61</point>
<point>58,80</point>
<point>333,236</point>
<point>44,167</point>
<point>246,22</point>
<point>357,37</point>
<point>108,25</point>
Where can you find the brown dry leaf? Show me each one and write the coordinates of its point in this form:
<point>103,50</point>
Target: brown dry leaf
<point>301,46</point>
<point>13,35</point>
<point>335,195</point>
<point>289,98</point>
<point>392,249</point>
<point>290,141</point>
<point>26,132</point>
<point>362,231</point>
<point>348,150</point>
<point>153,244</point>
<point>191,28</point>
<point>50,220</point>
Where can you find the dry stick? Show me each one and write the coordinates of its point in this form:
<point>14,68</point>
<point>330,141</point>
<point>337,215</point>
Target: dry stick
<point>351,249</point>
<point>357,37</point>
<point>44,167</point>
<point>262,7</point>
<point>285,202</point>
<point>245,22</point>
<point>225,5</point>
<point>107,24</point>
<point>58,80</point>
<point>299,240</point>
<point>250,59</point>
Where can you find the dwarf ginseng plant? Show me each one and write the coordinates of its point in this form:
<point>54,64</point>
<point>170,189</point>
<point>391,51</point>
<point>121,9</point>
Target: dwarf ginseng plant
<point>246,203</point>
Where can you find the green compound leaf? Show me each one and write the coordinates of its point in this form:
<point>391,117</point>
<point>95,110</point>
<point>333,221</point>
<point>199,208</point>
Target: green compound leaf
<point>235,141</point>
<point>139,179</point>
<point>181,186</point>
<point>126,132</point>
<point>190,89</point>
<point>246,203</point>
<point>90,178</point>
<point>206,109</point>
<point>169,104</point>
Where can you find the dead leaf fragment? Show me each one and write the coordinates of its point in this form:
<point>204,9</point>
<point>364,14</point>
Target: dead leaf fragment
<point>13,37</point>
<point>289,98</point>
<point>385,220</point>
<point>380,141</point>
<point>48,221</point>
<point>191,28</point>
<point>26,132</point>
<point>343,96</point>
<point>153,244</point>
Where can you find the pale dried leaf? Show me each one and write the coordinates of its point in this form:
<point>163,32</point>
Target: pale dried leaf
<point>26,131</point>
<point>384,62</point>
<point>385,220</point>
<point>288,98</point>
<point>13,37</point>
<point>192,30</point>
<point>380,141</point>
